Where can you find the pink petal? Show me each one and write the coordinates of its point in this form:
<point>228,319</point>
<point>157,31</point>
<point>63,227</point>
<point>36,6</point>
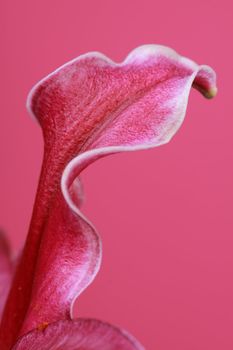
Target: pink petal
<point>68,261</point>
<point>6,271</point>
<point>90,108</point>
<point>81,334</point>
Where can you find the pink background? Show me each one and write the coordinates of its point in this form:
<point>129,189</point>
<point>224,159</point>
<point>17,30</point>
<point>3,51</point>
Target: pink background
<point>165,215</point>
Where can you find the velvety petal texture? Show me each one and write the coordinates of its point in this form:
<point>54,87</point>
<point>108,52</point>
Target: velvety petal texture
<point>89,108</point>
<point>6,270</point>
<point>82,334</point>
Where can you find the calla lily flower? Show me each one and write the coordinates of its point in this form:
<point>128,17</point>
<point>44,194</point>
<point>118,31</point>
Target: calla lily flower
<point>89,108</point>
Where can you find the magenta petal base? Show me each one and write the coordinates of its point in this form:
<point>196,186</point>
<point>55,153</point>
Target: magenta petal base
<point>81,334</point>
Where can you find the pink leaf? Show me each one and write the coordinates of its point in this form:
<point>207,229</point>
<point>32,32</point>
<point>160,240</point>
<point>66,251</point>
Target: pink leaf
<point>81,334</point>
<point>90,108</point>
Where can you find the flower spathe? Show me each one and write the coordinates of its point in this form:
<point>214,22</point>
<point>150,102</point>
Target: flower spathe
<point>89,108</point>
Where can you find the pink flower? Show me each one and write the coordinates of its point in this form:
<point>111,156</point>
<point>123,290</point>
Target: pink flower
<point>89,108</point>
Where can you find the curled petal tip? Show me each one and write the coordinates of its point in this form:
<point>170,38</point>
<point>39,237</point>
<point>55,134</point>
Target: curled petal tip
<point>212,92</point>
<point>208,93</point>
<point>205,82</point>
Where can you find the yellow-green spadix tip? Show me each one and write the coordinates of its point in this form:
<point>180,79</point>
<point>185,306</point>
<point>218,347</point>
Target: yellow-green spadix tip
<point>212,92</point>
